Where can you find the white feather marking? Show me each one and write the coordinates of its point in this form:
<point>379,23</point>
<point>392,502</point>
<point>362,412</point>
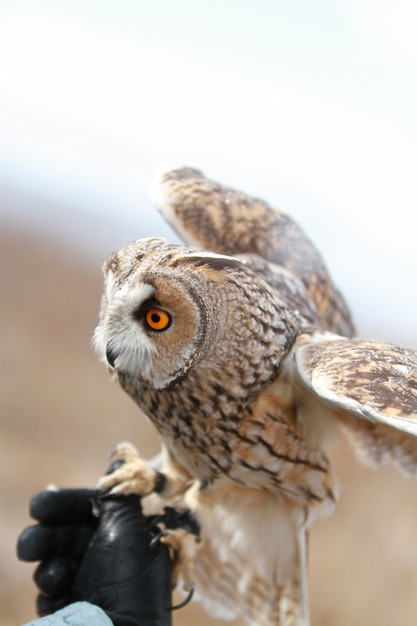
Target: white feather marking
<point>198,254</point>
<point>109,283</point>
<point>120,333</point>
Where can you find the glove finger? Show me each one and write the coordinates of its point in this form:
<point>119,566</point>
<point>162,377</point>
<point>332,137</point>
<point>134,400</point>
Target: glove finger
<point>46,606</point>
<point>37,543</point>
<point>69,506</point>
<point>55,576</point>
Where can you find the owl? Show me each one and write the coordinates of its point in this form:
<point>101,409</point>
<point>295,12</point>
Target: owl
<point>239,348</point>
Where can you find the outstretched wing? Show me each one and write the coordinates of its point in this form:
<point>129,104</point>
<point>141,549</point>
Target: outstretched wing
<point>372,380</point>
<point>221,219</point>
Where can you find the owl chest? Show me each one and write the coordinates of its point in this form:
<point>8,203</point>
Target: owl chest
<point>197,433</point>
<point>255,442</point>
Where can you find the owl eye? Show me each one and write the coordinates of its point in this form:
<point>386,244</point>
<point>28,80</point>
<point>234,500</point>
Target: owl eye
<point>157,319</point>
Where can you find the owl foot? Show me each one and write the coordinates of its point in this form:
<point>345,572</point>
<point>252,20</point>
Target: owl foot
<point>184,545</point>
<point>128,473</point>
<point>181,532</point>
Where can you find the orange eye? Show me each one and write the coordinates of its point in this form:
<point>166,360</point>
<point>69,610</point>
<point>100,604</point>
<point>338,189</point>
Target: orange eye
<point>157,319</point>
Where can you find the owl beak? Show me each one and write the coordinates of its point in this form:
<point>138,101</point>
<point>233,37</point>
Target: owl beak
<point>111,356</point>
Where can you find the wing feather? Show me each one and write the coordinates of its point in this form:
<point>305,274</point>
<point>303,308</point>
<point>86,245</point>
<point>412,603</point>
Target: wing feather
<point>209,215</point>
<point>370,387</point>
<point>374,380</point>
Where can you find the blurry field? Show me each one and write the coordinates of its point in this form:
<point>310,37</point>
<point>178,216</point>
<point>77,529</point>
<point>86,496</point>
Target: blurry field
<point>60,414</point>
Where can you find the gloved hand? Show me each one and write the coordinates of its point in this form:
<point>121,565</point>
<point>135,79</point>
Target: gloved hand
<point>110,561</point>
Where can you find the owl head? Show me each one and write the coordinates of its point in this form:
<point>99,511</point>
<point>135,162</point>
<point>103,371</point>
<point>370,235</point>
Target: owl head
<point>168,310</point>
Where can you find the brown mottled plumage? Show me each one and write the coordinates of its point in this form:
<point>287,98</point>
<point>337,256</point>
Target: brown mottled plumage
<point>238,347</point>
<point>226,221</point>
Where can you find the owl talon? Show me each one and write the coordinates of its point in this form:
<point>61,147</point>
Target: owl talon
<point>123,452</point>
<point>184,545</point>
<point>128,473</point>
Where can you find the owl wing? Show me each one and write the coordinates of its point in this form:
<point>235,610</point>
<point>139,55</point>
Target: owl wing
<point>370,386</point>
<point>215,217</point>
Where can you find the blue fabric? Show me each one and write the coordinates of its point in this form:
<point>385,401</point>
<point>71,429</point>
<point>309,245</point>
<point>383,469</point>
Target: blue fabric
<point>77,614</point>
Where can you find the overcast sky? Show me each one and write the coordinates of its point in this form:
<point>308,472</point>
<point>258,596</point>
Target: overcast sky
<point>310,105</point>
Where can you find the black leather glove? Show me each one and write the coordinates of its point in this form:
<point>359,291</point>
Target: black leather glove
<point>114,561</point>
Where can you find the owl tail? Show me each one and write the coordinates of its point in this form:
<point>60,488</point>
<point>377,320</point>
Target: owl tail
<point>258,573</point>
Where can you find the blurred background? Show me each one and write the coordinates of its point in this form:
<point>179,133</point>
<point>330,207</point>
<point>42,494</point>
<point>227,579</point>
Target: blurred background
<point>311,106</point>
